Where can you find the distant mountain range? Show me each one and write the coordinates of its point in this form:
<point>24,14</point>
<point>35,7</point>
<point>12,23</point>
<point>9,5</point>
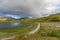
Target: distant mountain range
<point>15,17</point>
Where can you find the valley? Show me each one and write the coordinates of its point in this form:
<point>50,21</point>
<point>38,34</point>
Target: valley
<point>49,29</point>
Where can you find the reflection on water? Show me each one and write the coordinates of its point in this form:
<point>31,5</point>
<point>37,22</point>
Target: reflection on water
<point>9,24</point>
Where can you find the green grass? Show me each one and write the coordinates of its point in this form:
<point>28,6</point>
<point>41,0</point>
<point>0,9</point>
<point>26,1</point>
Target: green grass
<point>33,37</point>
<point>49,31</point>
<point>17,30</point>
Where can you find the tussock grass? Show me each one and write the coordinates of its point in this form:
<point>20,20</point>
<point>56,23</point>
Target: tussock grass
<point>33,37</point>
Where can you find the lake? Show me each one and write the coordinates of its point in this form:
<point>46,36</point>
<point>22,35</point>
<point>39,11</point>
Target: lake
<point>4,25</point>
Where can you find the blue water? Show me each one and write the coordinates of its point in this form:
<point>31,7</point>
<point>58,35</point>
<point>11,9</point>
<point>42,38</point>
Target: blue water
<point>10,24</point>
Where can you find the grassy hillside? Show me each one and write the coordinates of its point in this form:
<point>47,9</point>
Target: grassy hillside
<point>51,18</point>
<point>6,19</point>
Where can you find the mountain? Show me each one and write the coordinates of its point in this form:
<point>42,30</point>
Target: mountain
<point>25,17</point>
<point>15,17</point>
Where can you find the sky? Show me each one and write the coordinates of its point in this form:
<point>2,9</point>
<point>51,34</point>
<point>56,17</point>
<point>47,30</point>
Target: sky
<point>34,8</point>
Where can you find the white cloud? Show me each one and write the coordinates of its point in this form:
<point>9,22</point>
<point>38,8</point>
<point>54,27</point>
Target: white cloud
<point>29,7</point>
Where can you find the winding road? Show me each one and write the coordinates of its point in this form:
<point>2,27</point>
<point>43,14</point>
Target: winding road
<point>31,32</point>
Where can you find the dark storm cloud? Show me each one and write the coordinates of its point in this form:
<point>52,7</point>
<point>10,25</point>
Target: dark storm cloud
<point>28,7</point>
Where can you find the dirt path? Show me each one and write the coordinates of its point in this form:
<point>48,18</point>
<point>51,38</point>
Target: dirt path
<point>11,37</point>
<point>35,30</point>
